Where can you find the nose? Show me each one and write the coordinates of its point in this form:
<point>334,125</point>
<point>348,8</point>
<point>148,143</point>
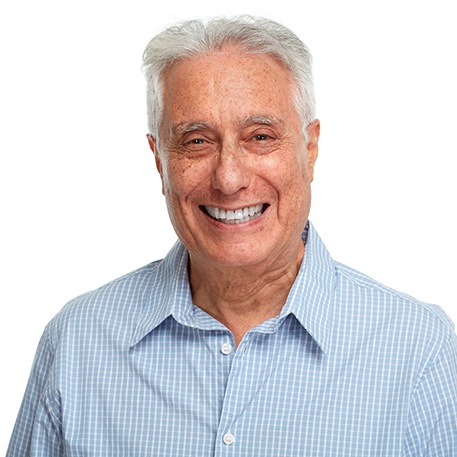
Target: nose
<point>231,173</point>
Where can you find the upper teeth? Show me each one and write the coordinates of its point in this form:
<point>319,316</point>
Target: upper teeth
<point>236,216</point>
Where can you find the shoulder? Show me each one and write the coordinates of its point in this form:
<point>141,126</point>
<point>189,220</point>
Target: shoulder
<point>379,318</point>
<point>396,335</point>
<point>109,315</point>
<point>115,306</point>
<point>380,297</point>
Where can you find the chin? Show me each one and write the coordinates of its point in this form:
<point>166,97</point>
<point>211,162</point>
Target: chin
<point>235,256</point>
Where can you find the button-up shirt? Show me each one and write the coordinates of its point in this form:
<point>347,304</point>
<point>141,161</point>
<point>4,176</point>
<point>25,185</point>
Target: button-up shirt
<point>348,368</point>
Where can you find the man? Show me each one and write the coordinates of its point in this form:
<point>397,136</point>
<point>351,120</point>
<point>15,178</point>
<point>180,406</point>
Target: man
<point>247,339</point>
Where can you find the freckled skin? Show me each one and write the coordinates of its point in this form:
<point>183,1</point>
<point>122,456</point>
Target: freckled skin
<point>221,90</point>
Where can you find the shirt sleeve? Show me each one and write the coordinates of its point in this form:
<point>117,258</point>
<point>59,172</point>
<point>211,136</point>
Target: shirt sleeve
<point>432,425</point>
<point>37,431</point>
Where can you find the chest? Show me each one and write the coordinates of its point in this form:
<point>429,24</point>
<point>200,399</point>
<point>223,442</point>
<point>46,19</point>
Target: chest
<point>194,394</point>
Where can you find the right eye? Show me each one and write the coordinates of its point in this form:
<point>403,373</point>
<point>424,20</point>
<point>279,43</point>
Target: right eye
<point>196,141</point>
<point>196,144</point>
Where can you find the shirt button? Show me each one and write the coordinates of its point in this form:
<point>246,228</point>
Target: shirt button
<point>226,348</point>
<point>228,439</point>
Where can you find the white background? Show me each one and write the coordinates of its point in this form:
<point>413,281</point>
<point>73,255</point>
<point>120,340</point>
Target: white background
<point>80,197</point>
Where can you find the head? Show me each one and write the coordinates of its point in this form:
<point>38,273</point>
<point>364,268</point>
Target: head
<point>230,111</point>
<point>252,35</point>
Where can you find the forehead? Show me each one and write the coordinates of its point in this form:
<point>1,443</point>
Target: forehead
<point>226,85</point>
<point>231,58</point>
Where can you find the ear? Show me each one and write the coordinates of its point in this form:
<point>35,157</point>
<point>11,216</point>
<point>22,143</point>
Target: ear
<point>314,130</point>
<point>153,145</point>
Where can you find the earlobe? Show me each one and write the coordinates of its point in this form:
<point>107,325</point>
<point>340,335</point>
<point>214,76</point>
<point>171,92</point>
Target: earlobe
<point>153,145</point>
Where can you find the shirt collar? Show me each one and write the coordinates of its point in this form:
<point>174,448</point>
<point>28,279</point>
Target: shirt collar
<point>168,294</point>
<point>310,298</point>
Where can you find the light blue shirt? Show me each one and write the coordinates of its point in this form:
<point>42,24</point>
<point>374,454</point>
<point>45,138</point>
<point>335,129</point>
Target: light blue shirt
<point>349,368</point>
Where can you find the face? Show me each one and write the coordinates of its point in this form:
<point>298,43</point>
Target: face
<point>235,168</point>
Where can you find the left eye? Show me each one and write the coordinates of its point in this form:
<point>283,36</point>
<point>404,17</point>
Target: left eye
<point>261,137</point>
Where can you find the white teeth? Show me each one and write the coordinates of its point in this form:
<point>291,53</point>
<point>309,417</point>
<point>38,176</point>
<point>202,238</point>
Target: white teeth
<point>237,216</point>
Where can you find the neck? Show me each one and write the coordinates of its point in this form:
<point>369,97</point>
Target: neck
<point>243,297</point>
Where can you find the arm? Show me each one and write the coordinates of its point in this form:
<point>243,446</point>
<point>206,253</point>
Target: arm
<point>37,429</point>
<point>432,425</point>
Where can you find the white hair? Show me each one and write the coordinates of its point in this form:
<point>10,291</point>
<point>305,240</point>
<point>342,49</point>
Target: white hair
<point>253,35</point>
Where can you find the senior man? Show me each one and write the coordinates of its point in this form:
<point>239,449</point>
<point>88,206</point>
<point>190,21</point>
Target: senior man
<point>247,339</point>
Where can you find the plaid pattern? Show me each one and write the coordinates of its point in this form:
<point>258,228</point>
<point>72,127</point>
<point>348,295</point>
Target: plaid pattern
<point>349,368</point>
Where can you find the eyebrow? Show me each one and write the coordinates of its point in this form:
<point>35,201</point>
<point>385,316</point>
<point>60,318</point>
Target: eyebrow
<point>188,127</point>
<point>184,128</point>
<point>262,119</point>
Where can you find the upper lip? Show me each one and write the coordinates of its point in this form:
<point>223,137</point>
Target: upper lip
<point>233,208</point>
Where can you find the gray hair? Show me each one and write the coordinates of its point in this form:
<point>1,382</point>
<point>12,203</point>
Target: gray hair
<point>253,35</point>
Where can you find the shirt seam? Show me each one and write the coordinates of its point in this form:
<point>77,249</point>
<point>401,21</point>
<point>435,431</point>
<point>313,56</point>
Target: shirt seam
<point>371,284</point>
<point>148,269</point>
<point>46,394</point>
<point>439,348</point>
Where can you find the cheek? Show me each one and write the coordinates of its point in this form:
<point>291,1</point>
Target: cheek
<point>289,172</point>
<point>182,177</point>
<point>294,186</point>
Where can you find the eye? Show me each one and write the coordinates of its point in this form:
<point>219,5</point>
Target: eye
<point>261,137</point>
<point>197,144</point>
<point>196,141</point>
<point>261,141</point>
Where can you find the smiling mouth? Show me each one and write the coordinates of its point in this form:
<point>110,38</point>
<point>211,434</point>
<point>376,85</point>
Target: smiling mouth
<point>237,216</point>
